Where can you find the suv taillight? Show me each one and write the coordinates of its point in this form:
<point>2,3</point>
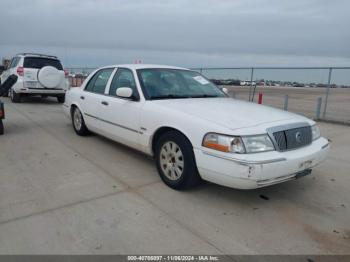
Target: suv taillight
<point>20,71</point>
<point>66,73</point>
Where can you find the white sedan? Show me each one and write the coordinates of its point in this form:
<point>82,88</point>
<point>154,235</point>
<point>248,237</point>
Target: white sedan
<point>192,129</point>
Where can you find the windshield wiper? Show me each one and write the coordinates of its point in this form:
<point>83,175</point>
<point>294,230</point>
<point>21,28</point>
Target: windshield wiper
<point>169,97</point>
<point>181,96</point>
<point>204,96</point>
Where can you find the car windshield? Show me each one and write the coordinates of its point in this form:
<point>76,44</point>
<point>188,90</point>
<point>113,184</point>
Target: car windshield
<point>176,83</point>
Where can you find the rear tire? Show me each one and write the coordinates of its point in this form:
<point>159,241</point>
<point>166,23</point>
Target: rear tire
<point>15,98</point>
<point>61,99</point>
<point>79,123</point>
<point>176,162</point>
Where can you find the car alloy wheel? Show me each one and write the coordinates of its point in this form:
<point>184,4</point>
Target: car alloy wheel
<point>78,122</point>
<point>77,119</point>
<point>171,160</point>
<point>175,161</point>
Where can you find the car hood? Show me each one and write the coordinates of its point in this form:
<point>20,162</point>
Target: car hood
<point>228,112</point>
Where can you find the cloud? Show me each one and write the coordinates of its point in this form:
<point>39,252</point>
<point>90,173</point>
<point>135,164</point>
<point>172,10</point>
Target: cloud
<point>196,32</point>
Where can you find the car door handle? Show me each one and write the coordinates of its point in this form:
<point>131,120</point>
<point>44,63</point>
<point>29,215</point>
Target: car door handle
<point>104,103</point>
<point>82,97</point>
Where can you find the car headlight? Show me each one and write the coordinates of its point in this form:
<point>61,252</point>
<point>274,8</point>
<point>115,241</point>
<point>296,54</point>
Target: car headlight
<point>235,144</point>
<point>223,143</point>
<point>316,133</point>
<point>255,144</point>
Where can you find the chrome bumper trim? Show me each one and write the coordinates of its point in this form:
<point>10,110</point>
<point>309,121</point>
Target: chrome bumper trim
<point>245,162</point>
<point>277,180</point>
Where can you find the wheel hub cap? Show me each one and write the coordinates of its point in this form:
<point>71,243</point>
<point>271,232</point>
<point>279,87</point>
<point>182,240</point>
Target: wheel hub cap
<point>171,161</point>
<point>77,119</point>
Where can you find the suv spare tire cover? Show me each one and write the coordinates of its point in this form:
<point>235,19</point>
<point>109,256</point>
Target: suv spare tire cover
<point>49,76</point>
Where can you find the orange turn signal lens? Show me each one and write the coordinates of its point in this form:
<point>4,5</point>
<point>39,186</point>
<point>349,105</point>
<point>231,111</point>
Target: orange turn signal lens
<point>216,146</point>
<point>223,143</point>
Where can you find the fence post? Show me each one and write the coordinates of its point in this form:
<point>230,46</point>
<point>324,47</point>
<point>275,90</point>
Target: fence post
<point>251,84</point>
<point>260,98</point>
<point>285,107</point>
<point>318,108</point>
<point>327,92</point>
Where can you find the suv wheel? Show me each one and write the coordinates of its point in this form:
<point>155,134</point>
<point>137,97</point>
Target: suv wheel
<point>15,98</point>
<point>175,161</point>
<point>61,99</point>
<point>79,123</point>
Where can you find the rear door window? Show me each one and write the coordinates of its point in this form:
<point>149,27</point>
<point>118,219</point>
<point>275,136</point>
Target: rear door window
<point>40,62</point>
<point>99,81</point>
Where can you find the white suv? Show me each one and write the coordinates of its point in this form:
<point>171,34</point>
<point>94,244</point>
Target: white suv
<point>37,74</point>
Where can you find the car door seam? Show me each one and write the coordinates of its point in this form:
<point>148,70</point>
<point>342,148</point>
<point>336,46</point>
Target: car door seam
<point>115,124</point>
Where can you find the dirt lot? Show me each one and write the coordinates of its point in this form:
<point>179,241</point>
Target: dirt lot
<point>64,194</point>
<point>303,100</point>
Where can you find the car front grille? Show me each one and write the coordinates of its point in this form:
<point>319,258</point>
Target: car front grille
<point>293,138</point>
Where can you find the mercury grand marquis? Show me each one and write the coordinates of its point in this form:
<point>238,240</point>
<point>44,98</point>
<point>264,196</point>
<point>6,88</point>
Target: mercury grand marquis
<point>193,129</point>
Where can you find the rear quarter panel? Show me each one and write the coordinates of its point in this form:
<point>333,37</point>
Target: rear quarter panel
<point>72,98</point>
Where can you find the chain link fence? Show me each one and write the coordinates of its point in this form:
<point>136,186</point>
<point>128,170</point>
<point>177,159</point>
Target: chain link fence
<point>317,92</point>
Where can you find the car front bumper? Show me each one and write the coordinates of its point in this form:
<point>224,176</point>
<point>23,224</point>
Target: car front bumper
<point>249,171</point>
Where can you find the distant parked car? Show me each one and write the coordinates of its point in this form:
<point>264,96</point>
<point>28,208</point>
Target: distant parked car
<point>37,74</point>
<point>192,129</point>
<point>298,85</point>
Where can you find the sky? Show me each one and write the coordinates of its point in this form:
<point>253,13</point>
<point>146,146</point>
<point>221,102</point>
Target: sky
<point>190,33</point>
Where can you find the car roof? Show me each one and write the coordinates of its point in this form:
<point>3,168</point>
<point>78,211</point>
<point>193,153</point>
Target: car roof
<point>145,66</point>
<point>37,55</point>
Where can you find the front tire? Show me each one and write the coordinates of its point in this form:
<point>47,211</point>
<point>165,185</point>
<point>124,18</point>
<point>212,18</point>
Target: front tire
<point>175,161</point>
<point>79,123</point>
<point>15,98</point>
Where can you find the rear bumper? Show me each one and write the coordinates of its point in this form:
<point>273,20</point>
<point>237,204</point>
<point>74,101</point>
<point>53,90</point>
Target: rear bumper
<point>259,170</point>
<point>41,91</point>
<point>19,88</point>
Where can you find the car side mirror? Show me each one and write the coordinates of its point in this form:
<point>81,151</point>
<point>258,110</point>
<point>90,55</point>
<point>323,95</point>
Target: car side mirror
<point>125,92</point>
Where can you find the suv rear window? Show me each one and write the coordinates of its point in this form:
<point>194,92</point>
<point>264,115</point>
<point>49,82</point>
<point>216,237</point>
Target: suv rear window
<point>40,62</point>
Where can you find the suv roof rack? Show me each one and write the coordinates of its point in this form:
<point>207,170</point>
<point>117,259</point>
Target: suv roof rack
<point>37,54</point>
